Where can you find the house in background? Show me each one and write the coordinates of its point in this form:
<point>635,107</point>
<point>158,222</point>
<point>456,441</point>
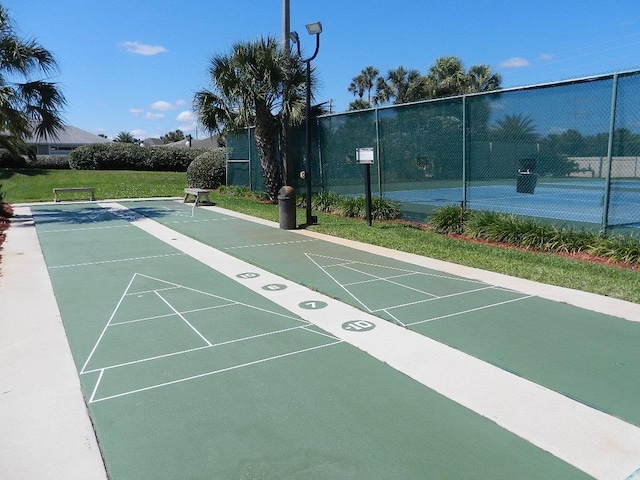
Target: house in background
<point>208,142</point>
<point>67,140</point>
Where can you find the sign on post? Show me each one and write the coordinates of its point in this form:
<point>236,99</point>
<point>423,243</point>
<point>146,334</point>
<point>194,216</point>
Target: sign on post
<point>364,156</point>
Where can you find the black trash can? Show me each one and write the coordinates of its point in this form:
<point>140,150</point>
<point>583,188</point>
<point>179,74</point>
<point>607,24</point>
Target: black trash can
<point>526,182</point>
<point>287,208</point>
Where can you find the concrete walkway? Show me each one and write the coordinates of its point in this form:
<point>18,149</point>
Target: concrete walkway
<point>47,432</point>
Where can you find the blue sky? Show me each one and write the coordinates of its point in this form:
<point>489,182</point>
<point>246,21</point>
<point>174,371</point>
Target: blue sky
<point>134,65</point>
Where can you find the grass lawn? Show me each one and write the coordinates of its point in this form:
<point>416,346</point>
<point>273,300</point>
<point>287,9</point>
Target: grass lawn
<point>34,185</point>
<point>30,185</point>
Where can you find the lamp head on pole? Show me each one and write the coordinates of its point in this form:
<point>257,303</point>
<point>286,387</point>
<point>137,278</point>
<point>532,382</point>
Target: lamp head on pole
<point>314,28</point>
<point>293,36</point>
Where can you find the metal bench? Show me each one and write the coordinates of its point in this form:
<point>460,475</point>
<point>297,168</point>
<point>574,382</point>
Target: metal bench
<point>90,190</point>
<point>200,195</point>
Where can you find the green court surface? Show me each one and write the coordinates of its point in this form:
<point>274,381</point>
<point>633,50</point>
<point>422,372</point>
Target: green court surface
<point>189,373</point>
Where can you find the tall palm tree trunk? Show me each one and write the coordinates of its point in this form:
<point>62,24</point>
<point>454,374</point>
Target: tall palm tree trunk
<point>266,132</point>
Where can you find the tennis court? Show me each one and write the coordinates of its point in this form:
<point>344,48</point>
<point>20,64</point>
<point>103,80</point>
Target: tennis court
<point>212,346</point>
<point>574,201</point>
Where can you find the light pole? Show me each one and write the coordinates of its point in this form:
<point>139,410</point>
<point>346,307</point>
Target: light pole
<point>313,29</point>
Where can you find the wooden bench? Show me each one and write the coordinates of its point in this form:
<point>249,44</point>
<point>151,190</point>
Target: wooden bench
<point>200,195</point>
<point>90,190</point>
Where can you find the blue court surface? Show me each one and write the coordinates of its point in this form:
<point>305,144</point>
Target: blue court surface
<point>574,201</point>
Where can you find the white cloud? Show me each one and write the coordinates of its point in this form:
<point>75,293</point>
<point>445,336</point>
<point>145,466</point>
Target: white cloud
<point>515,62</point>
<point>135,111</point>
<point>138,48</point>
<point>153,116</point>
<point>162,106</point>
<point>546,56</point>
<point>180,102</point>
<point>185,117</point>
<point>139,133</point>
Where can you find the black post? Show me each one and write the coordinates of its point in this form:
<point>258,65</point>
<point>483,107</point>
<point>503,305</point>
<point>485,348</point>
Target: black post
<point>311,219</point>
<point>367,189</point>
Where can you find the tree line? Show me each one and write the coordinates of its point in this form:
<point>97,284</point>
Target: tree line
<point>257,83</point>
<point>447,77</point>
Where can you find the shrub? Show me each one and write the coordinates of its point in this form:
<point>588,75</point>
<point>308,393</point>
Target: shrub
<point>383,209</point>
<point>534,234</point>
<point>60,162</point>
<point>8,160</point>
<point>352,207</point>
<point>449,219</point>
<point>208,169</point>
<point>356,207</point>
<point>325,202</point>
<point>126,156</point>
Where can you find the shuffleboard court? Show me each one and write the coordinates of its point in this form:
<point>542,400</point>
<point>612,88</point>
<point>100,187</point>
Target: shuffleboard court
<point>233,361</point>
<point>585,355</point>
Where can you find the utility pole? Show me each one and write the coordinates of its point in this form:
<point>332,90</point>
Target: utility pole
<point>286,25</point>
<point>284,136</point>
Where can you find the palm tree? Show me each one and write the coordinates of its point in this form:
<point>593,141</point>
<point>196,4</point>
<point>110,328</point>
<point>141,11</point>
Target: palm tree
<point>401,86</point>
<point>257,83</point>
<point>27,106</point>
<point>359,104</point>
<point>363,82</point>
<point>480,78</point>
<point>125,137</point>
<point>516,128</point>
<point>448,77</point>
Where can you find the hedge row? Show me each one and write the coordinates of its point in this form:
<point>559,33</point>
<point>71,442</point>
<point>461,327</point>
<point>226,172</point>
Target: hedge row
<point>42,161</point>
<point>124,156</point>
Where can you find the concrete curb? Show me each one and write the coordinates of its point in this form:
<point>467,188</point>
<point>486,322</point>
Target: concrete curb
<point>46,430</point>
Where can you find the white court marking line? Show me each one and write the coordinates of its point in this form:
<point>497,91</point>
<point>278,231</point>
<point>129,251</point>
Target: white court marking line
<point>136,275</point>
<point>272,244</point>
<point>464,312</point>
<point>184,319</point>
<point>168,315</point>
<point>205,347</point>
<point>458,294</point>
<point>82,229</point>
<point>349,265</point>
<point>101,262</point>
<point>597,443</point>
<point>106,326</point>
<point>215,372</point>
<point>343,262</point>
<point>339,284</point>
<point>304,326</point>
<point>219,297</point>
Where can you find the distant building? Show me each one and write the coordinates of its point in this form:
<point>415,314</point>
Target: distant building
<point>151,142</point>
<point>67,140</point>
<point>208,142</point>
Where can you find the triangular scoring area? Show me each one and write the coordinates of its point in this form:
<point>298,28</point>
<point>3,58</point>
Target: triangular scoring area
<point>398,294</point>
<point>161,333</point>
<point>146,324</point>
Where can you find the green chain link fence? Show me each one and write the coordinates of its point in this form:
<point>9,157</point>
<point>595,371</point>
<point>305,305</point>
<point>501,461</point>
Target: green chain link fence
<point>567,152</point>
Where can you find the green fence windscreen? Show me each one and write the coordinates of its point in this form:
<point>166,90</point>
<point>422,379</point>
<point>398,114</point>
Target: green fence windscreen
<point>566,152</point>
